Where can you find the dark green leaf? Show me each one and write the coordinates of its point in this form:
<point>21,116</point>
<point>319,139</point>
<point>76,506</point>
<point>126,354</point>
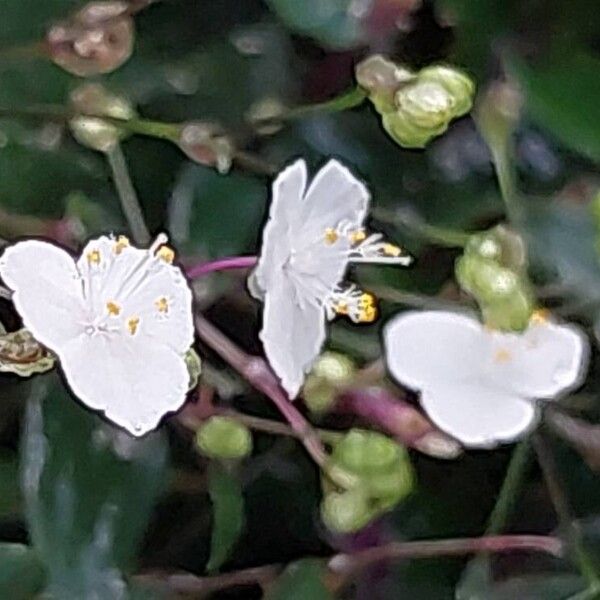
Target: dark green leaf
<point>21,572</point>
<point>228,514</point>
<point>302,580</point>
<point>88,489</point>
<point>564,98</point>
<point>10,496</point>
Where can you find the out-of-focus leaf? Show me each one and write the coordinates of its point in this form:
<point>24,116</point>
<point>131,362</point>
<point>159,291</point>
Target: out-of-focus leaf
<point>334,23</point>
<point>475,580</point>
<point>228,514</point>
<point>548,586</point>
<point>214,215</point>
<point>302,580</point>
<point>21,572</point>
<point>10,495</point>
<point>88,490</point>
<point>564,98</point>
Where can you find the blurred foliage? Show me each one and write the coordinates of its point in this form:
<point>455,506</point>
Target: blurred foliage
<point>96,507</point>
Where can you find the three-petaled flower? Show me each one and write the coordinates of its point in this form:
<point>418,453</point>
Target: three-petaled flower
<point>481,385</point>
<point>311,237</point>
<point>119,319</point>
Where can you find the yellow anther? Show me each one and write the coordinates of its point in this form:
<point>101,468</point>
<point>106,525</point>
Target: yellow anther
<point>331,236</point>
<point>357,236</point>
<point>367,308</point>
<point>166,253</point>
<point>162,305</point>
<point>113,308</point>
<point>121,243</point>
<point>502,356</point>
<point>93,257</point>
<point>391,250</point>
<point>539,316</point>
<point>132,324</point>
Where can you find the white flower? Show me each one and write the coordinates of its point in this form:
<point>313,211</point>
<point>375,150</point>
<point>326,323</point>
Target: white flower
<point>119,319</point>
<point>309,240</point>
<point>481,385</point>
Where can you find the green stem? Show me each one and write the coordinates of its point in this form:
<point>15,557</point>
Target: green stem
<point>157,129</point>
<point>451,238</point>
<point>506,181</point>
<point>515,474</point>
<point>129,201</point>
<point>561,505</point>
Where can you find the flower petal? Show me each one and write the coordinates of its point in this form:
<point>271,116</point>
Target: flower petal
<point>478,416</point>
<point>47,290</point>
<point>288,190</point>
<point>133,389</point>
<point>425,348</point>
<point>335,196</point>
<point>544,361</point>
<point>292,334</point>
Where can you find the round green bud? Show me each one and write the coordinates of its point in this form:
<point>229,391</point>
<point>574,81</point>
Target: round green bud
<point>331,371</point>
<point>224,437</point>
<point>500,244</point>
<point>408,134</point>
<point>426,104</point>
<point>458,84</point>
<point>365,452</point>
<point>92,99</point>
<point>194,367</point>
<point>486,279</point>
<point>394,484</point>
<point>346,511</point>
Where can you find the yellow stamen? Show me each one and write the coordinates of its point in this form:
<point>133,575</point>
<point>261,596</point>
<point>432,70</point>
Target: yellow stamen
<point>113,308</point>
<point>357,236</point>
<point>121,243</point>
<point>132,324</point>
<point>331,236</point>
<point>166,253</point>
<point>93,257</point>
<point>502,356</point>
<point>367,308</point>
<point>540,316</point>
<point>162,305</point>
<point>391,250</point>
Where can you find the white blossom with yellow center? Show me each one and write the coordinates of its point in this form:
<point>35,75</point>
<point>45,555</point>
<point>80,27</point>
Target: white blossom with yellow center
<point>313,233</point>
<point>480,385</point>
<point>119,319</point>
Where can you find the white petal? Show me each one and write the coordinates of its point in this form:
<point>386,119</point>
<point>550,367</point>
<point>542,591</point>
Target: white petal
<point>335,196</point>
<point>544,361</point>
<point>47,290</point>
<point>292,334</point>
<point>163,304</point>
<point>478,416</point>
<point>433,347</point>
<point>133,389</point>
<point>288,190</point>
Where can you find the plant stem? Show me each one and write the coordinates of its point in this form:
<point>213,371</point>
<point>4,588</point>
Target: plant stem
<point>515,474</point>
<point>221,264</point>
<point>258,374</point>
<point>561,506</point>
<point>129,201</point>
<point>347,100</point>
<point>416,300</point>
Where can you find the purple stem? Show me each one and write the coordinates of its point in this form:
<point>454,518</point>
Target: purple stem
<point>221,264</point>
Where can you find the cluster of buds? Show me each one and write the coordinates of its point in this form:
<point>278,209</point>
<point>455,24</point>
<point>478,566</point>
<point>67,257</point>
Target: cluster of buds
<point>378,475</point>
<point>417,106</point>
<point>224,438</point>
<point>96,39</point>
<point>92,102</point>
<point>493,269</point>
<point>21,354</point>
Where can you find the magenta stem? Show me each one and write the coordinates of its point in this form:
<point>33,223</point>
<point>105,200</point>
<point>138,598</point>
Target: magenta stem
<point>221,264</point>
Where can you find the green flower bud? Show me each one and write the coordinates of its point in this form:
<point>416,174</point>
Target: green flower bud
<point>405,133</point>
<point>426,104</point>
<point>458,85</point>
<point>510,314</point>
<point>364,452</point>
<point>486,279</point>
<point>224,437</point>
<point>394,484</point>
<point>207,144</point>
<point>500,244</point>
<point>382,78</point>
<point>194,366</point>
<point>331,372</point>
<point>347,511</point>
